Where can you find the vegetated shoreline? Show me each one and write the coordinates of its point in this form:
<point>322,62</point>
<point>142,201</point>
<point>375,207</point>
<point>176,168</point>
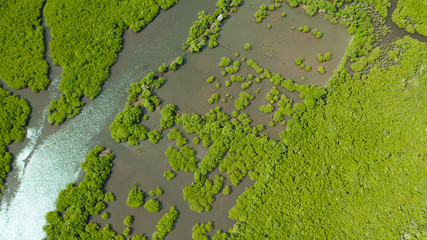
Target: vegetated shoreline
<point>352,39</point>
<point>346,56</point>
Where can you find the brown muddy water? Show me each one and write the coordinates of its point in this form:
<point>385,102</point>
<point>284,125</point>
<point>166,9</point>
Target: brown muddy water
<point>278,47</point>
<point>49,157</point>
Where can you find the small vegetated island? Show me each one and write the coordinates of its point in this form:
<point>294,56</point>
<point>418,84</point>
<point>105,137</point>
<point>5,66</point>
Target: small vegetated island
<point>349,160</point>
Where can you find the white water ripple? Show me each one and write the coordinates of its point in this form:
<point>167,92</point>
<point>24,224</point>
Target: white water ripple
<point>52,165</point>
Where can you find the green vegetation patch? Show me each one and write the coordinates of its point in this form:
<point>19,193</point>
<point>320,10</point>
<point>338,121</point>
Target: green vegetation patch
<point>243,101</point>
<point>128,220</point>
<point>154,136</point>
<point>156,192</point>
<point>86,46</point>
<point>183,159</point>
<point>105,216</point>
<point>226,190</point>
<point>168,116</point>
<point>177,135</point>
<point>214,98</point>
<point>325,57</point>
<point>127,231</point>
<point>22,45</point>
<point>262,13</point>
<point>169,175</point>
<point>200,231</point>
<point>200,194</point>
<point>411,15</point>
<point>205,31</point>
<point>365,145</point>
<point>153,205</point>
<point>126,125</point>
<point>165,224</point>
<point>76,204</point>
<point>135,197</point>
<point>13,118</point>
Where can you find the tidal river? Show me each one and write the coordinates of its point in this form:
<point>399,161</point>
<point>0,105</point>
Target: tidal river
<point>49,158</point>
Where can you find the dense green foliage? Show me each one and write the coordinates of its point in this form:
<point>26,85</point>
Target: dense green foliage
<point>411,15</point>
<point>126,126</point>
<point>205,31</point>
<point>251,63</point>
<point>183,159</point>
<point>153,205</point>
<point>168,116</point>
<point>324,58</point>
<point>304,29</point>
<point>76,204</point>
<point>14,113</point>
<point>347,156</point>
<point>225,62</point>
<point>139,237</point>
<point>200,194</point>
<point>105,216</point>
<point>211,79</point>
<point>220,235</point>
<point>135,197</point>
<point>154,136</point>
<point>156,192</point>
<point>177,135</point>
<point>200,230</point>
<point>243,101</point>
<point>299,60</point>
<point>127,231</point>
<point>128,220</point>
<point>179,61</point>
<point>321,70</point>
<point>214,98</point>
<point>169,175</point>
<point>226,190</point>
<point>261,13</point>
<point>246,85</point>
<point>266,108</point>
<point>21,45</point>
<point>165,224</point>
<point>317,33</point>
<point>86,46</point>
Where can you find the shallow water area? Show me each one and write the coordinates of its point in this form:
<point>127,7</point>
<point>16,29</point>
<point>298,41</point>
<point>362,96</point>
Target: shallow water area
<point>146,169</point>
<point>277,48</point>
